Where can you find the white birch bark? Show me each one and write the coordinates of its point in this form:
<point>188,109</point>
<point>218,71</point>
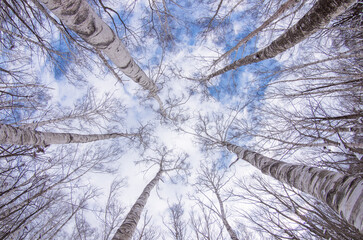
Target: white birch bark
<point>281,10</point>
<point>21,136</point>
<point>128,227</point>
<point>343,193</point>
<point>318,16</point>
<point>80,17</point>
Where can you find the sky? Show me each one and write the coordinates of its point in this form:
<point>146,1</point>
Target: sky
<point>187,54</point>
<point>173,65</point>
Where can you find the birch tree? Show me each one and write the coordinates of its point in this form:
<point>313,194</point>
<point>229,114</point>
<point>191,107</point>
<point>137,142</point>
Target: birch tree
<point>148,230</point>
<point>81,18</point>
<point>341,192</point>
<point>176,224</point>
<point>206,225</point>
<point>322,118</point>
<point>283,212</point>
<point>318,16</point>
<point>166,163</point>
<point>20,136</point>
<point>87,114</point>
<point>212,180</point>
<point>38,197</point>
<point>283,8</point>
<point>26,31</point>
<point>112,212</point>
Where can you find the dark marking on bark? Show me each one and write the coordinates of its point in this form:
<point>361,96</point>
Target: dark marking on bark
<point>273,168</point>
<point>70,138</point>
<point>126,66</point>
<point>21,138</point>
<point>352,186</point>
<point>322,174</point>
<point>355,209</point>
<point>288,173</point>
<point>340,193</point>
<point>81,16</point>
<point>312,178</point>
<point>104,44</point>
<point>72,8</point>
<point>244,154</point>
<point>265,168</point>
<point>325,177</point>
<point>311,169</point>
<point>137,79</point>
<point>91,29</point>
<point>329,198</point>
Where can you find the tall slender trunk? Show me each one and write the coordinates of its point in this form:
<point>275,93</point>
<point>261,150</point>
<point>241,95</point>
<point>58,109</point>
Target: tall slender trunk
<point>80,17</point>
<point>318,16</point>
<point>128,227</point>
<point>281,10</point>
<point>230,230</point>
<point>21,136</point>
<point>343,117</point>
<point>343,193</point>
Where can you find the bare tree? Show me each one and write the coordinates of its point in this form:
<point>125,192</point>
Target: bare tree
<point>41,194</point>
<point>148,230</point>
<point>205,225</point>
<point>175,224</point>
<point>20,136</point>
<point>318,16</point>
<point>340,191</point>
<point>210,179</point>
<point>284,7</point>
<point>282,212</point>
<point>110,215</point>
<point>166,164</point>
<point>81,18</point>
<point>88,111</point>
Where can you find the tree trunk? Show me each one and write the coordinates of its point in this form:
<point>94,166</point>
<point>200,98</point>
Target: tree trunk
<point>128,227</point>
<point>317,17</point>
<point>80,17</point>
<point>281,10</point>
<point>343,193</point>
<point>20,136</point>
<point>343,117</point>
<point>230,230</point>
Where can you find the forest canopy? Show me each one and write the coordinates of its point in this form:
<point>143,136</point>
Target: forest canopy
<point>163,119</point>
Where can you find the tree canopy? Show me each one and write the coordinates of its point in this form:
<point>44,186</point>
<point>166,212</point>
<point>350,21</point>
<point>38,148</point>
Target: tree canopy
<point>165,119</point>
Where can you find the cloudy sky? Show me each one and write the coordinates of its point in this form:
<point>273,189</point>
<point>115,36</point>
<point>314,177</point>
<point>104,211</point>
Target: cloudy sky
<point>176,52</point>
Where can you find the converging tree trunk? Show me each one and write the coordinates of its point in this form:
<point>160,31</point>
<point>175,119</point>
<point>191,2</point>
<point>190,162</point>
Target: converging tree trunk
<point>287,5</point>
<point>20,136</point>
<point>343,193</point>
<point>128,227</point>
<point>80,17</point>
<point>212,178</point>
<point>318,16</point>
<point>223,216</point>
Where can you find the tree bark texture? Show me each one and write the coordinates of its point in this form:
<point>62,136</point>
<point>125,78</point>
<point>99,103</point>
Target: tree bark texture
<point>287,5</point>
<point>21,136</point>
<point>80,17</point>
<point>343,193</point>
<point>128,227</point>
<point>318,16</point>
